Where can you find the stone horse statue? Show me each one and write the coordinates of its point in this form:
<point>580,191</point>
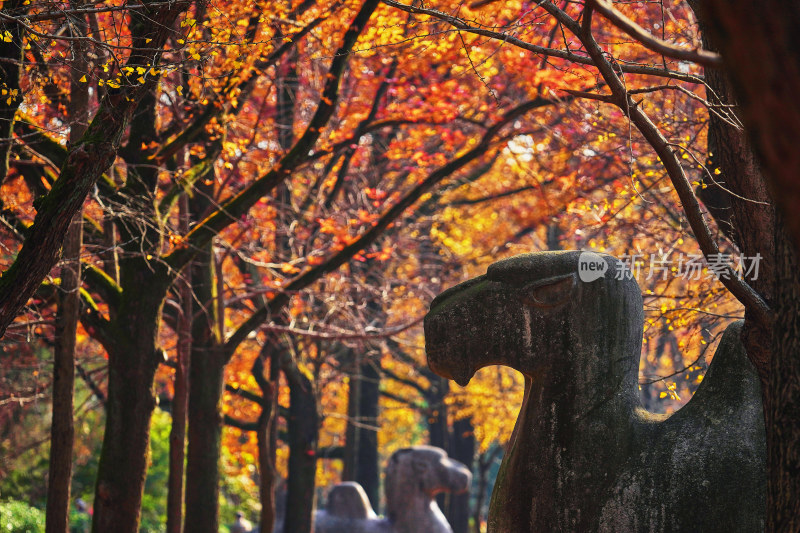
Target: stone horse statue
<point>414,476</point>
<point>584,455</point>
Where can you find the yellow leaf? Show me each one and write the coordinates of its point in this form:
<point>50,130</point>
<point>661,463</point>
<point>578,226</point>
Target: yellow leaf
<point>305,371</point>
<point>7,37</point>
<point>83,79</point>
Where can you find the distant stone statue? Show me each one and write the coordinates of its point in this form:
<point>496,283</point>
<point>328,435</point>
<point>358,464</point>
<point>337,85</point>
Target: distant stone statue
<point>241,525</point>
<point>348,500</point>
<point>584,455</point>
<point>414,476</point>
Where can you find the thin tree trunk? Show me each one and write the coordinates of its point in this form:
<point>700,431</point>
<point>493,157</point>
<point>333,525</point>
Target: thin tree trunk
<point>67,316</point>
<point>177,436</point>
<point>203,451</point>
<point>352,445</point>
<point>462,448</point>
<point>303,426</point>
<point>63,431</point>
<point>367,396</point>
<point>264,435</point>
<point>438,432</point>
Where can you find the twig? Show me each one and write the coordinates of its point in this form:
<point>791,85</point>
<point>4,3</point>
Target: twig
<point>551,52</point>
<point>649,41</point>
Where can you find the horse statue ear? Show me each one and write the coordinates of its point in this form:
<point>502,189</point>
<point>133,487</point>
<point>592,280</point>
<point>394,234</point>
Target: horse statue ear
<point>550,292</point>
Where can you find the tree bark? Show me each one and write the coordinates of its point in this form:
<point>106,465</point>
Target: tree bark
<point>438,431</point>
<point>782,403</point>
<point>67,316</point>
<point>177,435</point>
<point>761,48</point>
<point>352,444</point>
<point>438,434</point>
<point>368,474</point>
<point>207,376</point>
<point>63,431</point>
<point>132,363</point>
<point>747,216</point>
<point>462,448</point>
<point>267,435</point>
<point>303,426</point>
<point>361,452</point>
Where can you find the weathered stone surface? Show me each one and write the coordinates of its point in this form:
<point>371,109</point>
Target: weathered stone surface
<point>584,455</point>
<point>414,476</point>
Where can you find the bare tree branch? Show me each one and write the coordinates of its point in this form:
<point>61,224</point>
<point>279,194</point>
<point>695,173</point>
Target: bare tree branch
<point>551,52</point>
<point>649,41</point>
<point>694,214</point>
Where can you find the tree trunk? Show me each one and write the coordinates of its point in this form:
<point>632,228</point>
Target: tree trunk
<point>205,430</point>
<point>267,436</point>
<point>177,435</point>
<point>361,452</point>
<point>132,362</point>
<point>207,377</point>
<point>765,71</point>
<point>747,217</point>
<point>438,432</point>
<point>782,403</point>
<point>352,444</point>
<point>303,426</point>
<point>462,448</point>
<point>63,430</point>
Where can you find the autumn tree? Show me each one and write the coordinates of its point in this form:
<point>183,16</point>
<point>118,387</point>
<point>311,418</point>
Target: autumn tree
<point>338,164</point>
<point>738,196</point>
<point>140,257</point>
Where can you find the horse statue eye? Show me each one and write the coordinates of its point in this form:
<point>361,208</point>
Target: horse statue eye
<point>549,292</point>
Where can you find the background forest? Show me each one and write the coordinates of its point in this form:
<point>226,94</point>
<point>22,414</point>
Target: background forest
<point>274,193</point>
